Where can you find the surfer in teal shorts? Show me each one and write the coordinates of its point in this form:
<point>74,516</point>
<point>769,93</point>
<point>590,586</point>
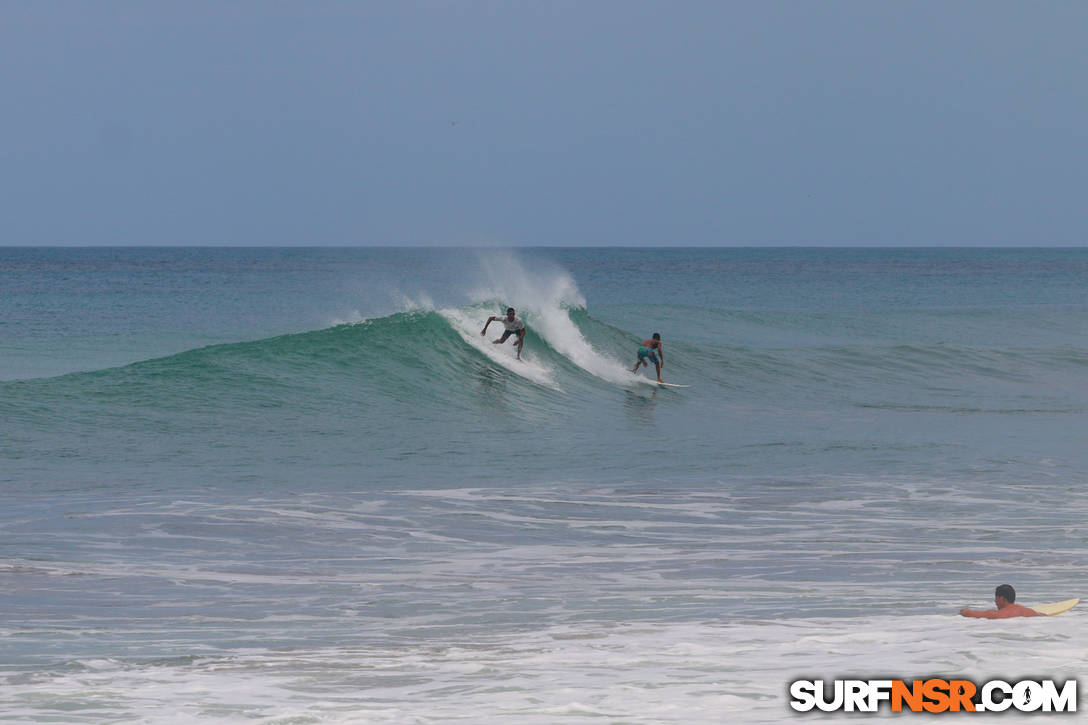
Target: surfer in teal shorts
<point>514,326</point>
<point>651,350</point>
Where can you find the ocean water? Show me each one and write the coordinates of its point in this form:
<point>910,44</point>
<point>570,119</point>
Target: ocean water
<point>298,486</point>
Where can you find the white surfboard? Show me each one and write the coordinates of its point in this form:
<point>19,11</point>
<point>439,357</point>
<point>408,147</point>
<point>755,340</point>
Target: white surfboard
<point>671,385</point>
<point>1056,607</point>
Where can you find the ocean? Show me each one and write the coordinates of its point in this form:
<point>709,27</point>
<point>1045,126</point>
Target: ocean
<point>298,485</point>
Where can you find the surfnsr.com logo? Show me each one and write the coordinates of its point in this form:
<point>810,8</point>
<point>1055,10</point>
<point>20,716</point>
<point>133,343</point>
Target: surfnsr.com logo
<point>933,695</point>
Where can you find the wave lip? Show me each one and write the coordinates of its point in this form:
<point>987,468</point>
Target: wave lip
<point>546,296</point>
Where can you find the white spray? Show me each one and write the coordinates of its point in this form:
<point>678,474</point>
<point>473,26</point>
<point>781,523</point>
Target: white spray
<point>544,295</point>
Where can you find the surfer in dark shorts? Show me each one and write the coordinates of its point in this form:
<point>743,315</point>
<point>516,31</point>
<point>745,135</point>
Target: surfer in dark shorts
<point>514,326</point>
<point>651,350</point>
<point>1004,598</point>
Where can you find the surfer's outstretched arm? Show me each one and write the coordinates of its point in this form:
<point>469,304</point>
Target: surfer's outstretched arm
<point>489,321</point>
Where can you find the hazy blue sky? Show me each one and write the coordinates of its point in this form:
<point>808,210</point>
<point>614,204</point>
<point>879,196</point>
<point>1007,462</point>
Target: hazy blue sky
<point>595,122</point>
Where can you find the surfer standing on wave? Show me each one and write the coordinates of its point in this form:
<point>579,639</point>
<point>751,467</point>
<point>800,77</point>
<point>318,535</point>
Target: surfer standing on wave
<point>1004,598</point>
<point>514,326</point>
<point>649,350</point>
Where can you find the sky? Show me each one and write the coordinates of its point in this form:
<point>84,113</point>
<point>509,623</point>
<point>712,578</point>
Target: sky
<point>598,122</point>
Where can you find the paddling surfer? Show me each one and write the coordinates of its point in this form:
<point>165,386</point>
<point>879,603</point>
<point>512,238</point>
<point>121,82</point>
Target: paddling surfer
<point>1005,599</point>
<point>650,350</point>
<point>514,326</point>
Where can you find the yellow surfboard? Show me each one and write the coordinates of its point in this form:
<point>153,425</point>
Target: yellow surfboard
<point>1056,607</point>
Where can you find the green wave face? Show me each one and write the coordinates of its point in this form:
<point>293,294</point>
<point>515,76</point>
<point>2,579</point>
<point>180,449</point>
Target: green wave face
<point>429,356</point>
<point>415,395</point>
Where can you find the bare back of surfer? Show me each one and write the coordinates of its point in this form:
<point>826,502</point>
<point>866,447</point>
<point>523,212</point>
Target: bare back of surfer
<point>1005,599</point>
<point>514,326</point>
<point>650,350</point>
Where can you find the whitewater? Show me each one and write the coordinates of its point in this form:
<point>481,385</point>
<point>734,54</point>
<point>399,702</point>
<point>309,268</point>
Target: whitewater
<point>299,486</point>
